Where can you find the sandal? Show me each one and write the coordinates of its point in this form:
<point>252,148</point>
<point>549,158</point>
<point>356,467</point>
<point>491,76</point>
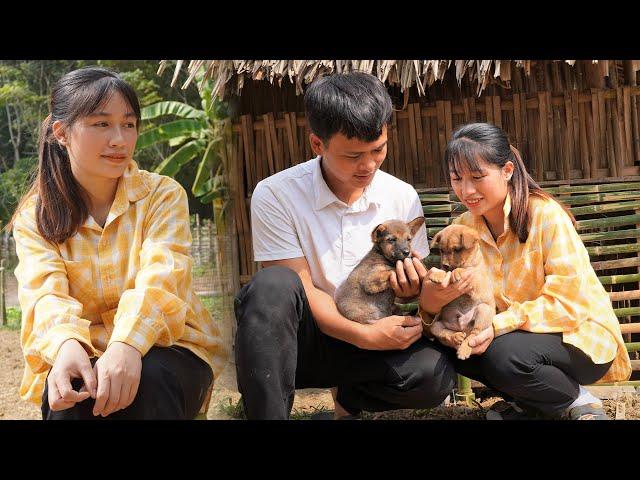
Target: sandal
<point>589,411</point>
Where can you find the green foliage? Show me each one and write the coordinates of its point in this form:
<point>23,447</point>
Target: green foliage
<point>232,410</point>
<point>200,271</point>
<point>198,134</point>
<point>14,319</point>
<point>13,184</point>
<point>146,88</point>
<point>214,305</point>
<point>235,410</point>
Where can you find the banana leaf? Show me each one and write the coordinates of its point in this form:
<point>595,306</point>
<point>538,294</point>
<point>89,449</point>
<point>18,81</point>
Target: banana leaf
<point>171,165</point>
<point>169,130</point>
<point>178,109</point>
<point>211,195</point>
<point>210,161</point>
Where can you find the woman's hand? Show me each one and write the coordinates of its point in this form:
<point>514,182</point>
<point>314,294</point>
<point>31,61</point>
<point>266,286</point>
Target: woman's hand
<point>72,361</point>
<point>118,371</point>
<point>408,276</point>
<point>434,296</point>
<point>481,341</point>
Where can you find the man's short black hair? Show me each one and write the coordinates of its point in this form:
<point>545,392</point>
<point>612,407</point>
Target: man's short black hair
<point>354,104</point>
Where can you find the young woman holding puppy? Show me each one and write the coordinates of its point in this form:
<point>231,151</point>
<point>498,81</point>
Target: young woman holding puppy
<point>556,329</point>
<point>110,324</point>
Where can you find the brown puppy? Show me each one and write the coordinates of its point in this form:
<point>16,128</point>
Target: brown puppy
<point>366,295</point>
<point>472,312</point>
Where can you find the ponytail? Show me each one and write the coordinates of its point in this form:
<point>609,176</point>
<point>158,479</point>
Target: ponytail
<point>521,187</point>
<point>60,207</point>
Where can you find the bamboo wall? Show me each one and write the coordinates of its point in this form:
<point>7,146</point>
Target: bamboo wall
<point>576,134</point>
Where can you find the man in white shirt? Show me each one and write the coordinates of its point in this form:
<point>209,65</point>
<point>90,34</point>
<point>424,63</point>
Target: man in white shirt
<point>311,225</point>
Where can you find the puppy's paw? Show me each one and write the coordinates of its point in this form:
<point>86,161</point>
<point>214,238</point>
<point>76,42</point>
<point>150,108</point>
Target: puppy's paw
<point>456,275</point>
<point>458,338</point>
<point>437,276</point>
<point>464,351</point>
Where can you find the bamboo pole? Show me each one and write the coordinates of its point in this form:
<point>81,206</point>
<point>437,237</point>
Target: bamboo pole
<point>464,393</point>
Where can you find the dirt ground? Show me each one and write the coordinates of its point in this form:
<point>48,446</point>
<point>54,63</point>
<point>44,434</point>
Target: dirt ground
<point>225,396</point>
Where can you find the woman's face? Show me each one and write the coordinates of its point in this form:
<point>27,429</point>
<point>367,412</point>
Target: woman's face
<point>101,145</point>
<point>484,191</point>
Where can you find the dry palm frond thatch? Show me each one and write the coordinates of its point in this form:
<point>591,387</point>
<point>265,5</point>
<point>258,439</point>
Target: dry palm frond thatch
<point>403,73</point>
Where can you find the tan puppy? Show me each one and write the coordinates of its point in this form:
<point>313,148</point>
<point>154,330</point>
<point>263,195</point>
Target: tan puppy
<point>472,312</point>
<point>366,295</point>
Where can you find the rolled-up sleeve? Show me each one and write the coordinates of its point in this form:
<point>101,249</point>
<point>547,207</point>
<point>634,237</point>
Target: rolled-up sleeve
<point>564,302</point>
<point>50,316</point>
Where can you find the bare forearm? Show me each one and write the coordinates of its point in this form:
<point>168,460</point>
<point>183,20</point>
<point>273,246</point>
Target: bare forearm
<point>331,322</point>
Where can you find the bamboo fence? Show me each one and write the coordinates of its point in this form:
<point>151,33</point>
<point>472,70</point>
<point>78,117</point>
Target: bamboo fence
<point>566,136</point>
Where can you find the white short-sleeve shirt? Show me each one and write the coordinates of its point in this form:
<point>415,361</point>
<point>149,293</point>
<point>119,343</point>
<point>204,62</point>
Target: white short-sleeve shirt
<point>295,214</point>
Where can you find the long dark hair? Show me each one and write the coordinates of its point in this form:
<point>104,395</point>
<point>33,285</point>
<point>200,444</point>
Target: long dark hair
<point>60,207</point>
<point>490,143</point>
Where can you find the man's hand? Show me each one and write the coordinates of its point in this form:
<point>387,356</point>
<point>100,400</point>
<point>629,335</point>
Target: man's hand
<point>118,371</point>
<point>408,276</point>
<point>481,341</point>
<point>434,296</point>
<point>72,361</point>
<point>393,333</point>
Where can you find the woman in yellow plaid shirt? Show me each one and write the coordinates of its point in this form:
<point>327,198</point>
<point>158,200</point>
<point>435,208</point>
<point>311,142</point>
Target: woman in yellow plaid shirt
<point>111,326</point>
<point>555,329</point>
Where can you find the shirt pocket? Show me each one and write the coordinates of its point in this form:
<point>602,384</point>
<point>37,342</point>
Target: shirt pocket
<point>525,277</point>
<point>81,282</point>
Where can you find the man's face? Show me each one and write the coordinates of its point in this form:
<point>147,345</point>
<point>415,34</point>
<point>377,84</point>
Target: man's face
<point>349,164</point>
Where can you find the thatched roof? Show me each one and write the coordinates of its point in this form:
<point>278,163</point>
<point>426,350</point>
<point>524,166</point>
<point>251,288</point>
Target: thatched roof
<point>229,75</point>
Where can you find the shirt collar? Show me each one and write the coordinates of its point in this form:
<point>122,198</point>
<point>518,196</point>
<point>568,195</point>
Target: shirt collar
<point>481,226</point>
<point>373,193</point>
<point>322,193</point>
<point>131,188</point>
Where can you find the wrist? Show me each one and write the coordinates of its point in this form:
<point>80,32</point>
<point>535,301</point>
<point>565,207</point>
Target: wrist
<point>123,344</point>
<point>432,309</point>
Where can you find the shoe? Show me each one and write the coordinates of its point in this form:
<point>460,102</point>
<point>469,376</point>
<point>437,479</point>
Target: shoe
<point>508,411</point>
<point>589,411</point>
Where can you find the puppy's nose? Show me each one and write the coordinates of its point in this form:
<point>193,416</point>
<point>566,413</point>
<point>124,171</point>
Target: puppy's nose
<point>446,267</point>
<point>405,252</point>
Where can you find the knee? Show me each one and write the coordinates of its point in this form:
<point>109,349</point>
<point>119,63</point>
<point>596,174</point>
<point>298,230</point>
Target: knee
<point>429,385</point>
<point>156,373</point>
<point>275,279</point>
<point>507,370</point>
<point>270,285</point>
<point>263,306</point>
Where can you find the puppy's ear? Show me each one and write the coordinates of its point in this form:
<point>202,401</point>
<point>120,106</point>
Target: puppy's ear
<point>378,232</point>
<point>415,224</point>
<point>436,240</point>
<point>468,238</point>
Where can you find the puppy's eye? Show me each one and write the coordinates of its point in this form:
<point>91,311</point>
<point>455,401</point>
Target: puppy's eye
<point>408,239</point>
<point>457,249</point>
<point>391,239</point>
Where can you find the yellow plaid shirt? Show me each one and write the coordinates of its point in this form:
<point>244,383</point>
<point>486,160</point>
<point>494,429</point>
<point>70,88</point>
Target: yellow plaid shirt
<point>548,285</point>
<point>128,282</point>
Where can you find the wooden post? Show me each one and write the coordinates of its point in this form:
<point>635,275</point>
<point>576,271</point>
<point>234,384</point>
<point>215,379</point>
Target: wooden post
<point>197,240</point>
